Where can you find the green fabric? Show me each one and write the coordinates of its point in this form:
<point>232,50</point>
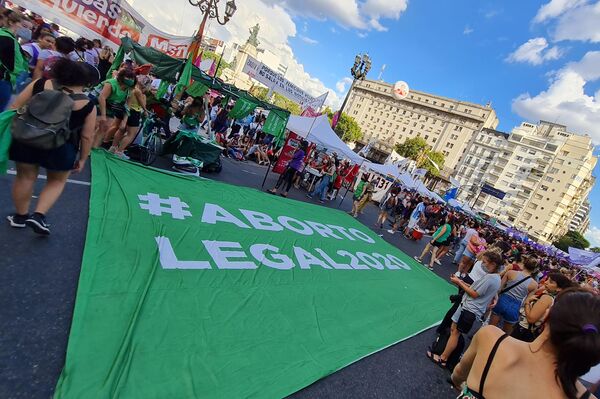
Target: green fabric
<point>242,108</point>
<point>117,95</point>
<point>276,122</point>
<point>446,234</point>
<point>21,64</point>
<point>197,89</point>
<point>6,118</point>
<point>359,189</point>
<point>119,57</point>
<point>189,144</point>
<point>162,89</point>
<point>185,77</point>
<point>190,120</point>
<point>158,316</point>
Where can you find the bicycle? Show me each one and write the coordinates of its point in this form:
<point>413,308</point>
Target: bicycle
<point>151,141</point>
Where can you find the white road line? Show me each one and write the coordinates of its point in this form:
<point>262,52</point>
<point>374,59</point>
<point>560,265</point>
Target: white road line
<point>83,183</point>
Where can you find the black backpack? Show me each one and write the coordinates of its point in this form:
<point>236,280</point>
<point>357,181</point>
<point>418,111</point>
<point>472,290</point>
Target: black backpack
<point>44,121</point>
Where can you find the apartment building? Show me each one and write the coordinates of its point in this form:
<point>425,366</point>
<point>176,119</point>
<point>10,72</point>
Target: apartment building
<point>545,171</point>
<point>581,220</point>
<point>446,124</point>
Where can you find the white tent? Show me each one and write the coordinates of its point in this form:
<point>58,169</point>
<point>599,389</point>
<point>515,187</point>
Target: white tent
<point>386,170</point>
<point>454,203</point>
<point>318,130</point>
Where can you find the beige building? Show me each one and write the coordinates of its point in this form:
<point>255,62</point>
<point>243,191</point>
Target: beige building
<point>446,124</point>
<point>581,220</point>
<point>545,171</point>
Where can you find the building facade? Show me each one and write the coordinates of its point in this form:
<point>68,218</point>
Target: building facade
<point>545,171</point>
<point>581,220</point>
<point>446,124</point>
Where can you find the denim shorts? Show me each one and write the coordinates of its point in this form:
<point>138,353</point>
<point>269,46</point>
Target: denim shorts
<point>469,254</point>
<point>508,307</point>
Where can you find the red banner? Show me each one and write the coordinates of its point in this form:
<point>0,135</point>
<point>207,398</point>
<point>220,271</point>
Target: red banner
<point>289,148</point>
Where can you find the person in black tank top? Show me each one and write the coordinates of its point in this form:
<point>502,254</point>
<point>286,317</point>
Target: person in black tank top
<point>72,77</point>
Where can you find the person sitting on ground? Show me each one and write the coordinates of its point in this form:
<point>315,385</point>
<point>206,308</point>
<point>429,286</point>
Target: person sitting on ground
<point>517,285</point>
<point>564,351</point>
<point>474,304</point>
<point>72,77</point>
<point>111,103</point>
<point>532,311</point>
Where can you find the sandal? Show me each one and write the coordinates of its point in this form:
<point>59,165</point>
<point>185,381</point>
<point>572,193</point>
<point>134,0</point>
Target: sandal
<point>272,192</point>
<point>283,195</point>
<point>438,361</point>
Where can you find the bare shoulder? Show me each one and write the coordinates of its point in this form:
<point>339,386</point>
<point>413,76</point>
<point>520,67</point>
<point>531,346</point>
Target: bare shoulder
<point>487,337</point>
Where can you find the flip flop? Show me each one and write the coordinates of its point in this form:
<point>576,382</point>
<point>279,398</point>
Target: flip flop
<point>439,362</point>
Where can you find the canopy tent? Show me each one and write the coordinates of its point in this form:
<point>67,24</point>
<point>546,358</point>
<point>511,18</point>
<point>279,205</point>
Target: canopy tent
<point>454,203</point>
<point>386,169</point>
<point>407,180</point>
<point>318,130</point>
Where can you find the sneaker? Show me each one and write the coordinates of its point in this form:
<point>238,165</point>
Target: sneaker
<point>17,221</point>
<point>309,196</point>
<point>380,235</point>
<point>122,156</point>
<point>430,268</point>
<point>391,231</point>
<point>37,222</point>
<point>417,259</point>
<point>321,201</point>
<point>437,262</point>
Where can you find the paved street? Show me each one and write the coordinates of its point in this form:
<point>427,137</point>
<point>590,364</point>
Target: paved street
<point>39,282</point>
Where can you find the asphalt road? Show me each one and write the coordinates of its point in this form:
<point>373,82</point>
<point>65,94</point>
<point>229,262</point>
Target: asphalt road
<point>39,282</point>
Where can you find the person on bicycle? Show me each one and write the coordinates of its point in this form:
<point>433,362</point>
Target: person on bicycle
<point>112,102</point>
<point>131,124</point>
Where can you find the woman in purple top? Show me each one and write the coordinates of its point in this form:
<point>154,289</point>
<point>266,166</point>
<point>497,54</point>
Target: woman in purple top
<point>294,166</point>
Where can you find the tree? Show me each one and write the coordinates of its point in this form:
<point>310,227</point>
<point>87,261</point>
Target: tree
<point>571,239</point>
<point>595,249</point>
<point>418,150</point>
<point>207,54</point>
<point>346,128</point>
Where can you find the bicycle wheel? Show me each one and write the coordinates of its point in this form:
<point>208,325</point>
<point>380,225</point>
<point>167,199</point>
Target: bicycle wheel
<point>148,155</point>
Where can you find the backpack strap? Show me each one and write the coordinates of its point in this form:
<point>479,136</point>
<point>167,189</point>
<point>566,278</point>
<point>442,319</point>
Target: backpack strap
<point>78,96</point>
<point>488,364</point>
<point>38,86</point>
<point>514,285</point>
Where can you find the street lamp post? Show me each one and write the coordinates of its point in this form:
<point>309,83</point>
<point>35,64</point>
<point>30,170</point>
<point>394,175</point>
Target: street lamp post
<point>362,65</point>
<point>210,10</point>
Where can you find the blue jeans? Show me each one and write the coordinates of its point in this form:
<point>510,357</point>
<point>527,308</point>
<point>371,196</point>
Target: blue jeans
<point>459,252</point>
<point>5,94</point>
<point>322,187</point>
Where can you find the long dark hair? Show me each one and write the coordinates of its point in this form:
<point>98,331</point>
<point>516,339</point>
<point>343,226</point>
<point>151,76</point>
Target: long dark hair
<point>574,323</point>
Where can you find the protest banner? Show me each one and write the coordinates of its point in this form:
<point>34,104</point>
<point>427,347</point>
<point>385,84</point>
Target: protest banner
<point>107,20</point>
<point>192,288</point>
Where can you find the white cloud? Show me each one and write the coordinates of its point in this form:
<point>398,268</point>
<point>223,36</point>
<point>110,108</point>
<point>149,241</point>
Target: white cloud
<point>593,236</point>
<point>362,35</point>
<point>566,101</point>
<point>183,19</point>
<point>348,13</point>
<point>555,8</point>
<point>535,51</point>
<point>308,40</point>
<point>468,30</point>
<point>342,83</point>
<point>580,23</point>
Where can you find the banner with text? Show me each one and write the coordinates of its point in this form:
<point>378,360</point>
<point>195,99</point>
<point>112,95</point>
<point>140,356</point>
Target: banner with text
<point>279,84</point>
<point>192,288</point>
<point>107,20</point>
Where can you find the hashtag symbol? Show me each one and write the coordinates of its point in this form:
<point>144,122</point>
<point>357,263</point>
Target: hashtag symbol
<point>157,206</point>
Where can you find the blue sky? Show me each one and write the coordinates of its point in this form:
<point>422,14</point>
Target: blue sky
<point>532,59</point>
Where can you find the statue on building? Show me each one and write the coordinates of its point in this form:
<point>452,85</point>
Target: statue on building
<point>253,39</point>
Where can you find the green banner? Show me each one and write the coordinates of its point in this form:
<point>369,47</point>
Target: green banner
<point>242,108</point>
<point>276,122</point>
<point>192,288</point>
<point>197,89</point>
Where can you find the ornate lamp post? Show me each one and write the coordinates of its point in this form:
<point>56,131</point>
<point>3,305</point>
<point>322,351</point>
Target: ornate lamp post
<point>362,66</point>
<point>210,10</point>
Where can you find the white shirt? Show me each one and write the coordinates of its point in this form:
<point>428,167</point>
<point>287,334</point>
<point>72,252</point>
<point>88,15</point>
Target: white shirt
<point>82,57</point>
<point>478,271</point>
<point>469,234</point>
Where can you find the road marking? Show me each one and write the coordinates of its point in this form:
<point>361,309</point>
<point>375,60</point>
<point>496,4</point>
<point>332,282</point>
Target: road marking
<point>247,171</point>
<point>83,183</point>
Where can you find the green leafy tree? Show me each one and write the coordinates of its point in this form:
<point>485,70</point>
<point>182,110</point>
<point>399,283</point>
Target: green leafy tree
<point>347,128</point>
<point>571,239</point>
<point>418,150</point>
<point>595,249</point>
<point>278,100</point>
<point>207,54</point>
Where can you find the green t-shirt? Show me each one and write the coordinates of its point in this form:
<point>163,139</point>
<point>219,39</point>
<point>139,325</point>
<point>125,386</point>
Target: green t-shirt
<point>446,234</point>
<point>359,189</point>
<point>118,95</point>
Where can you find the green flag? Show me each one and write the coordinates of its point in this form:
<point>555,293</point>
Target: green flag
<point>197,89</point>
<point>119,57</point>
<point>242,108</point>
<point>6,118</point>
<point>162,89</point>
<point>185,77</point>
<point>276,122</point>
<point>192,288</point>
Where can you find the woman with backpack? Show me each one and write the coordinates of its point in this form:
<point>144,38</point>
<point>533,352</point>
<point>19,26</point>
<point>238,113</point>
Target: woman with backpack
<point>12,60</point>
<point>66,88</point>
<point>112,102</point>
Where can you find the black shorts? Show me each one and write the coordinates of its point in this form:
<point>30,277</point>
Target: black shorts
<point>116,111</point>
<point>59,159</point>
<point>133,120</point>
<point>439,244</point>
<point>464,321</point>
